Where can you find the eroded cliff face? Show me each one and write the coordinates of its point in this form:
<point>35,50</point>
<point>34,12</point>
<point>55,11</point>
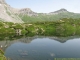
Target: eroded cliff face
<point>7,13</point>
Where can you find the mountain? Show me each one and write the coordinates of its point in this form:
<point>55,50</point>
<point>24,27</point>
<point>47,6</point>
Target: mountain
<point>30,16</point>
<point>9,14</point>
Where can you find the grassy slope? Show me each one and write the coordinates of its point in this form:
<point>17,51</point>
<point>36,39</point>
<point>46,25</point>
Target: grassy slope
<point>41,17</point>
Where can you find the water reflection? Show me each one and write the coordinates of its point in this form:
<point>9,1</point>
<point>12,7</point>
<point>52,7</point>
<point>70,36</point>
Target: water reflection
<point>7,41</point>
<point>41,48</point>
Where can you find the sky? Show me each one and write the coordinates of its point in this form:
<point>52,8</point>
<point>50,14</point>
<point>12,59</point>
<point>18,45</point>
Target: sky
<point>46,6</point>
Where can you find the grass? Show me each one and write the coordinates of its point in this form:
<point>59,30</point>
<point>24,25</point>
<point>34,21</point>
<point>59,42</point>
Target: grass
<point>2,57</point>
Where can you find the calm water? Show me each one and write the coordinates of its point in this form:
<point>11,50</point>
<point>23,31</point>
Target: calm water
<point>42,48</point>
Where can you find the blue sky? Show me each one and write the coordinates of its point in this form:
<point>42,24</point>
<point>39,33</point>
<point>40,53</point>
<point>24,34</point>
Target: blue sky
<point>46,6</point>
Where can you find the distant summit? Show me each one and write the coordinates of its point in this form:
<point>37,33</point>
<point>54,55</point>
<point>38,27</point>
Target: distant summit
<point>59,11</point>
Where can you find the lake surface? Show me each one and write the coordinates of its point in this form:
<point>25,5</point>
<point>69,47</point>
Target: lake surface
<point>42,48</point>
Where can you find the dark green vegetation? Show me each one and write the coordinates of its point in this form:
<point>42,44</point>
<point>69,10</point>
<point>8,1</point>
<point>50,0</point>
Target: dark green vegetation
<point>63,27</point>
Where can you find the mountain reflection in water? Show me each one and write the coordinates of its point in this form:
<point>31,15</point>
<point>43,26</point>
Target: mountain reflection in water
<point>41,48</point>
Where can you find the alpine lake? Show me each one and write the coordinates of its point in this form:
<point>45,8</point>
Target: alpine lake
<point>42,41</point>
<point>41,47</point>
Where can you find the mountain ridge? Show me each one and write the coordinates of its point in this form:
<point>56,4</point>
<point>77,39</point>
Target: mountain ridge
<point>10,14</point>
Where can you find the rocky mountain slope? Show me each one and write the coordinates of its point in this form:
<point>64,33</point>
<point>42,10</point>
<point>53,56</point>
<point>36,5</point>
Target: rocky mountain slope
<point>9,14</point>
